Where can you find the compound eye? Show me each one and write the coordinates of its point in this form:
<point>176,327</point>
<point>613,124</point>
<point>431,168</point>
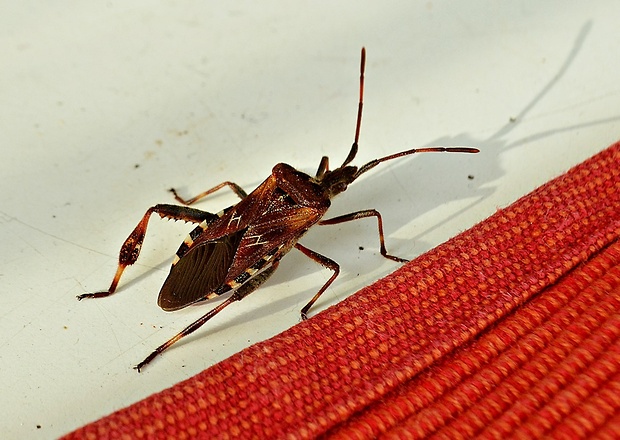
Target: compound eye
<point>341,187</point>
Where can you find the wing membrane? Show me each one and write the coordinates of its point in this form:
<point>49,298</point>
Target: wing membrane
<point>201,270</point>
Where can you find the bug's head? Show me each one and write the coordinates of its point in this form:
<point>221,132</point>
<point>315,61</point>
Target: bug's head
<point>336,181</point>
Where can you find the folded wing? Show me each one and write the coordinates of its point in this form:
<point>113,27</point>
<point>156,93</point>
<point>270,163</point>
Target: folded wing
<point>202,270</point>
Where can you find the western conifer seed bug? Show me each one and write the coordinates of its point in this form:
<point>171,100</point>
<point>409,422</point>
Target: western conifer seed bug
<point>238,248</point>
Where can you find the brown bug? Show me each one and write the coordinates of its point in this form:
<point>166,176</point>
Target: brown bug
<point>238,248</point>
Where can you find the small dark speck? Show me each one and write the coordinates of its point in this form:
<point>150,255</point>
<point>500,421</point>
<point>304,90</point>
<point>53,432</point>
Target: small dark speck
<point>38,426</point>
<point>137,165</point>
<point>513,119</point>
<point>361,248</point>
<point>470,177</point>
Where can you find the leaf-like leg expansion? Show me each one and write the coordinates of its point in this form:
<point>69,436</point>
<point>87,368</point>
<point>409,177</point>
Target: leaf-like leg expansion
<point>363,214</point>
<point>233,186</point>
<point>131,247</point>
<point>325,262</point>
<point>243,291</point>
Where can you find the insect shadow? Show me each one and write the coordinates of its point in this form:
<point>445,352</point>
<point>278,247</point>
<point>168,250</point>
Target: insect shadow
<point>486,168</point>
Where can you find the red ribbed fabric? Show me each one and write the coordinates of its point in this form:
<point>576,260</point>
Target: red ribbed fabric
<point>508,330</point>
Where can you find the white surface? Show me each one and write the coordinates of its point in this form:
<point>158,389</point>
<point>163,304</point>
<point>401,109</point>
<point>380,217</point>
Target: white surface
<point>103,107</point>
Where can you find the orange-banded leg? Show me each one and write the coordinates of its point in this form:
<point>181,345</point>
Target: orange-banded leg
<point>131,247</point>
<point>251,285</point>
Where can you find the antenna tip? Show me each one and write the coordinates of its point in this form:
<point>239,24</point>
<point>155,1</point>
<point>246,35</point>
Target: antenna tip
<point>462,150</point>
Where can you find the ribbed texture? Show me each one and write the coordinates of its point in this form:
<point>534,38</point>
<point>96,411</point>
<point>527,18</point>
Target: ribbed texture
<point>549,368</point>
<point>509,329</point>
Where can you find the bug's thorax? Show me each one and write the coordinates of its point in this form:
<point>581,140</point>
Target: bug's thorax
<point>313,191</point>
<point>302,188</point>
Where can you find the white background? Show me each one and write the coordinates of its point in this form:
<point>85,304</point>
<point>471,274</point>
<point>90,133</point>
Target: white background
<point>104,106</point>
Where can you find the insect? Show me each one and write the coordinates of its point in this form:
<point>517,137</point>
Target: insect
<point>238,248</point>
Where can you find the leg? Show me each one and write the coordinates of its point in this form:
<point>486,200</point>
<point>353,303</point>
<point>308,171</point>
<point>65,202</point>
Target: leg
<point>325,262</point>
<point>131,248</point>
<point>236,189</point>
<point>238,295</point>
<point>363,214</point>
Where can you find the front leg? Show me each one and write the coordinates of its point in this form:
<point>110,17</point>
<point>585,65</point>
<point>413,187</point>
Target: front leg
<point>131,247</point>
<point>363,214</point>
